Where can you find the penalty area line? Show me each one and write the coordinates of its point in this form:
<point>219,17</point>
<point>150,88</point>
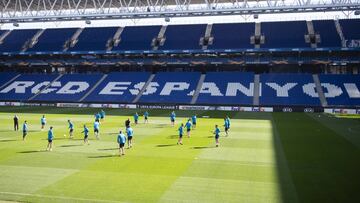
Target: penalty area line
<point>57,197</point>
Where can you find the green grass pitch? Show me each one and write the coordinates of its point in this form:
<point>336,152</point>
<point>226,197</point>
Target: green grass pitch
<point>268,157</point>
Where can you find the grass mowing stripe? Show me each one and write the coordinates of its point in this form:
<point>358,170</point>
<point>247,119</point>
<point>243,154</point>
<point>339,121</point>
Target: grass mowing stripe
<point>228,174</point>
<point>349,128</point>
<point>52,197</point>
<point>323,165</point>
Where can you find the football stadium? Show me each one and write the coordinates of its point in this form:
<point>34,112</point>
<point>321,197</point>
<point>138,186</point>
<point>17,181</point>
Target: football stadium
<point>180,101</point>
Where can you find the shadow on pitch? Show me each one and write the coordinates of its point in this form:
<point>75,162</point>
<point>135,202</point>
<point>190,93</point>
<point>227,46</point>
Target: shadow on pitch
<point>165,145</point>
<point>102,156</point>
<point>8,140</point>
<point>32,151</point>
<point>71,145</point>
<point>203,147</point>
<point>173,137</point>
<point>108,149</point>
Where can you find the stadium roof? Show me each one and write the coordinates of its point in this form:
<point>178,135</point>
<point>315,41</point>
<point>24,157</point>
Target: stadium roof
<point>12,11</point>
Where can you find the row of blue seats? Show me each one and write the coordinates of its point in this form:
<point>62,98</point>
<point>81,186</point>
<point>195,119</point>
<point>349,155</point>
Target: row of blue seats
<point>289,34</point>
<point>235,88</point>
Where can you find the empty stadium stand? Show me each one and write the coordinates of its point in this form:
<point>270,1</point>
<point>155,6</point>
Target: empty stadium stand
<point>232,36</point>
<point>26,86</point>
<point>183,37</point>
<point>290,34</point>
<point>171,87</point>
<point>119,87</point>
<point>16,40</point>
<point>227,88</point>
<point>328,34</point>
<point>341,90</point>
<point>137,38</point>
<point>215,88</point>
<point>53,40</point>
<point>351,35</point>
<point>94,39</point>
<point>288,89</point>
<point>69,87</point>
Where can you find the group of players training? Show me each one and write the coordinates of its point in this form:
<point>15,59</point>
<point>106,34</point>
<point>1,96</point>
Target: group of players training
<point>121,138</point>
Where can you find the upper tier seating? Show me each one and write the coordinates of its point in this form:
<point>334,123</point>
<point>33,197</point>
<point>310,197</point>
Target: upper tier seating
<point>137,38</point>
<point>183,37</point>
<point>232,36</point>
<point>53,40</point>
<point>289,34</point>
<point>94,39</point>
<point>328,33</point>
<point>16,40</point>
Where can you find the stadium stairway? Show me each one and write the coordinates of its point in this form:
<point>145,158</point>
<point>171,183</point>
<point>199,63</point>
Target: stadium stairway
<point>10,81</point>
<point>198,88</point>
<point>33,40</point>
<point>256,90</point>
<point>4,35</point>
<point>94,87</point>
<point>115,40</point>
<point>152,76</point>
<point>320,90</point>
<point>47,86</point>
<point>340,32</point>
<point>73,40</point>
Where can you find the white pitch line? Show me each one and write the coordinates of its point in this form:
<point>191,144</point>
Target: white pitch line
<point>58,197</point>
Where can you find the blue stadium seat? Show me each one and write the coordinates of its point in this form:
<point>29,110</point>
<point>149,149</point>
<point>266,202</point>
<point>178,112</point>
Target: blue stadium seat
<point>16,39</point>
<point>119,87</point>
<point>227,88</point>
<point>70,87</point>
<point>183,37</point>
<point>137,38</point>
<point>288,89</point>
<point>25,86</point>
<point>328,34</point>
<point>232,36</point>
<point>53,39</point>
<point>288,34</point>
<point>341,89</point>
<point>94,39</point>
<point>351,32</point>
<point>6,77</point>
<point>178,88</point>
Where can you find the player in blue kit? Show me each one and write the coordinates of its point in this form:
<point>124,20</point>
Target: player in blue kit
<point>217,135</point>
<point>226,126</point>
<point>172,118</point>
<point>86,135</point>
<point>102,114</point>
<point>25,129</point>
<point>96,129</point>
<point>181,132</point>
<point>43,122</point>
<point>188,127</point>
<point>97,117</point>
<point>130,133</point>
<point>194,118</point>
<point>121,140</point>
<point>146,117</point>
<point>71,129</point>
<point>136,118</point>
<point>50,139</point>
